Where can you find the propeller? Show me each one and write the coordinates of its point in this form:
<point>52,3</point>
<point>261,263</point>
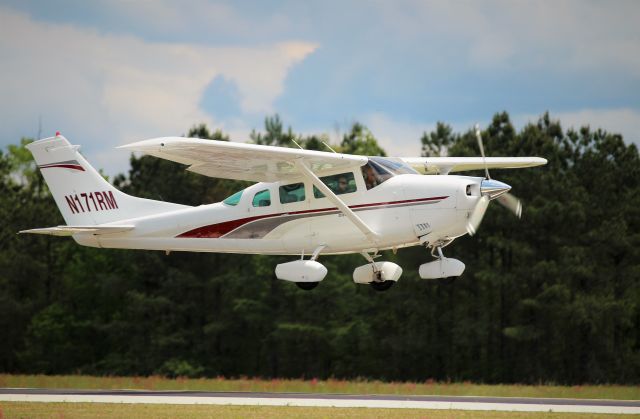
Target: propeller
<point>511,203</point>
<point>490,189</point>
<point>476,216</point>
<point>484,159</point>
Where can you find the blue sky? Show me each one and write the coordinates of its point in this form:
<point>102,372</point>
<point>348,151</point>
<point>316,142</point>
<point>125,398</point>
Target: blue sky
<point>110,72</point>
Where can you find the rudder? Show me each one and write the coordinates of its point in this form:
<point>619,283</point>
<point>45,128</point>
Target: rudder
<point>83,196</point>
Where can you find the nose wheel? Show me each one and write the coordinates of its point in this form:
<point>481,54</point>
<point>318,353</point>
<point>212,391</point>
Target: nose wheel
<point>442,268</point>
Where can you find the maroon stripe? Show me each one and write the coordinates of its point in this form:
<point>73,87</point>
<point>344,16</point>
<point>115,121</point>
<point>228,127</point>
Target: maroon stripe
<point>214,231</point>
<point>406,201</point>
<point>65,166</point>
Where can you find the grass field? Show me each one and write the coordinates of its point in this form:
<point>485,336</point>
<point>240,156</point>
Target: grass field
<point>321,386</point>
<point>105,410</point>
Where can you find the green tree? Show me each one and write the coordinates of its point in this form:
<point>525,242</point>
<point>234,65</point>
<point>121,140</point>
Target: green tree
<point>437,143</point>
<point>359,140</point>
<point>274,134</point>
<point>554,297</point>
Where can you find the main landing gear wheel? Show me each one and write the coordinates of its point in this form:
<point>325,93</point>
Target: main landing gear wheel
<point>381,285</point>
<point>307,286</point>
<point>448,280</point>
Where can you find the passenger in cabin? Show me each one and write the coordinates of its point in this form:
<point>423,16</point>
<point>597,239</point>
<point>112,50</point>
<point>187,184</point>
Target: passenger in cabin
<point>343,186</point>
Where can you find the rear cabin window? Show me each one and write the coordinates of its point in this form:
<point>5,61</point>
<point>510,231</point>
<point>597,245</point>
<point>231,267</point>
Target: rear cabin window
<point>374,174</point>
<point>262,199</point>
<point>339,184</point>
<point>292,193</point>
<point>234,199</point>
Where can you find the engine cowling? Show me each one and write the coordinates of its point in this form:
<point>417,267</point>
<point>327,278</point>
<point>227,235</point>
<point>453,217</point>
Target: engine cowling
<point>384,271</point>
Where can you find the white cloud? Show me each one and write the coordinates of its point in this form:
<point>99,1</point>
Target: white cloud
<point>104,90</point>
<point>397,138</point>
<point>625,121</point>
<point>568,35</point>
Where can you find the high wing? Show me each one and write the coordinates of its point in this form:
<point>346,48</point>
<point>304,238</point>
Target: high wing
<point>240,161</point>
<point>445,165</point>
<point>71,230</point>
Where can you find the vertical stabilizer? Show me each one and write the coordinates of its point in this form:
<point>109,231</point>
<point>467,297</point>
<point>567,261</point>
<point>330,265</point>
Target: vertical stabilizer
<point>83,196</point>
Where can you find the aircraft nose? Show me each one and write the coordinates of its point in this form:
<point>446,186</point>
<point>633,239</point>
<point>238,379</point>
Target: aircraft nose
<point>493,188</point>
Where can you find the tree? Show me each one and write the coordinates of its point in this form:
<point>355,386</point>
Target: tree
<point>437,142</point>
<point>202,131</point>
<point>554,297</point>
<point>359,140</point>
<point>274,133</point>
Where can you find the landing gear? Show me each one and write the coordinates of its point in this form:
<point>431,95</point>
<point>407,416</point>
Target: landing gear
<point>445,269</point>
<point>380,275</point>
<point>307,286</point>
<point>447,280</point>
<point>382,285</point>
<point>306,274</point>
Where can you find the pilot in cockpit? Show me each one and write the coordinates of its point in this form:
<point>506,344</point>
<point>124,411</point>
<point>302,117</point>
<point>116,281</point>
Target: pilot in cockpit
<point>370,179</point>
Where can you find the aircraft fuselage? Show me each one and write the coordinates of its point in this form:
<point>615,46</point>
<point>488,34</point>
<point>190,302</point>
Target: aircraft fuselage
<point>402,211</point>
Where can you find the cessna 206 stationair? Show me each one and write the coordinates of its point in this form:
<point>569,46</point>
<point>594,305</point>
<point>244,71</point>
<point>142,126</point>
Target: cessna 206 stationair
<point>306,203</point>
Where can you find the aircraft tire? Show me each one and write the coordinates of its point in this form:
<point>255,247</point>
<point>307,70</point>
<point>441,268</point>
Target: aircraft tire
<point>307,286</point>
<point>382,286</point>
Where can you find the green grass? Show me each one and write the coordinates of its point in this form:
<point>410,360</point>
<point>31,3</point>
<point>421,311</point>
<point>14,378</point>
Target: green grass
<point>321,386</point>
<point>107,410</point>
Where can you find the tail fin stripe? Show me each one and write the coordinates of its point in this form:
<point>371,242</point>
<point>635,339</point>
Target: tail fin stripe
<point>69,164</point>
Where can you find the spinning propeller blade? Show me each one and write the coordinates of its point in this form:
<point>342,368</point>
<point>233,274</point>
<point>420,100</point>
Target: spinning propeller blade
<point>511,203</point>
<point>476,216</point>
<point>484,160</point>
<point>490,189</point>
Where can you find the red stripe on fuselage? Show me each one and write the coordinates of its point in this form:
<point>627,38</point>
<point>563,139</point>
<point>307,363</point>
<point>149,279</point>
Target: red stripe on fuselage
<point>214,231</point>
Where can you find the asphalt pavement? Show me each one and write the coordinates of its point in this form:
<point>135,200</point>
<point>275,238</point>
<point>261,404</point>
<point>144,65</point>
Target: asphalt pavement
<point>324,400</point>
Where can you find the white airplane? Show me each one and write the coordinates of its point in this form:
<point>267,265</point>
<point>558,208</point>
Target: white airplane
<point>305,203</point>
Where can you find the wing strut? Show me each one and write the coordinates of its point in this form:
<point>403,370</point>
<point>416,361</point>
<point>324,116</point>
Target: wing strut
<point>357,221</point>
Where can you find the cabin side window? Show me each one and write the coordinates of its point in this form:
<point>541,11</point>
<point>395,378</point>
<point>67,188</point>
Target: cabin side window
<point>339,184</point>
<point>374,174</point>
<point>262,199</point>
<point>292,193</point>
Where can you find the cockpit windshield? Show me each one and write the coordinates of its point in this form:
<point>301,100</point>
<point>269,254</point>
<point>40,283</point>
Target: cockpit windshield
<point>374,174</point>
<point>381,169</point>
<point>397,167</point>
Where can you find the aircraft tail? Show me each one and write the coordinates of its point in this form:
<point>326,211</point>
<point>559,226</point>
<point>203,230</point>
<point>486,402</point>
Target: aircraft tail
<point>83,196</point>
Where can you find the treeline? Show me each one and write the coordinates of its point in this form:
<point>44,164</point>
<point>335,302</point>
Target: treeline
<point>553,297</point>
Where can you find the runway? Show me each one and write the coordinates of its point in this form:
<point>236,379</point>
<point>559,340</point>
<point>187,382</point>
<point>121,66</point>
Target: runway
<point>323,400</point>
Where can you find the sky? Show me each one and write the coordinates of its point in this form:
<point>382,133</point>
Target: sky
<point>106,73</point>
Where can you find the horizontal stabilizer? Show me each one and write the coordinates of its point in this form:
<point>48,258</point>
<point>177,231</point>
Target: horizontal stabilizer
<point>71,230</point>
